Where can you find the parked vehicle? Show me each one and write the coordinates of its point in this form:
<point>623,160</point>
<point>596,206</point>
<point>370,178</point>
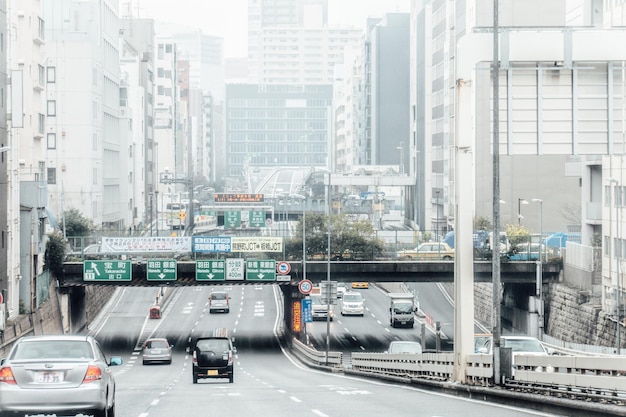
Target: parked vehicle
<point>61,374</point>
<point>402,308</point>
<point>156,350</point>
<point>219,301</point>
<point>482,243</point>
<point>526,252</point>
<point>352,303</point>
<point>212,357</point>
<point>429,251</point>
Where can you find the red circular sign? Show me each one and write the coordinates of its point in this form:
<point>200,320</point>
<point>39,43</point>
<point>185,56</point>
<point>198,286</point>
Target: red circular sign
<point>283,267</point>
<point>305,286</point>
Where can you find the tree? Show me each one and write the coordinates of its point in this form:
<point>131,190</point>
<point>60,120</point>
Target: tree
<point>348,239</point>
<point>76,224</point>
<point>55,253</point>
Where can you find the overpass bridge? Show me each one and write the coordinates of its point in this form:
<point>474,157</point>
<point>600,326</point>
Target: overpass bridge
<point>520,272</point>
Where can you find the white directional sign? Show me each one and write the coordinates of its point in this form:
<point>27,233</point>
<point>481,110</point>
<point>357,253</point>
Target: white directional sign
<point>235,269</point>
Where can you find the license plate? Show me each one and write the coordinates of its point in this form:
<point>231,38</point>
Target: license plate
<point>403,322</point>
<point>211,372</point>
<point>49,377</point>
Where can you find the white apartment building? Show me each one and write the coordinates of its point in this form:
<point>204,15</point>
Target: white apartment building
<point>83,112</point>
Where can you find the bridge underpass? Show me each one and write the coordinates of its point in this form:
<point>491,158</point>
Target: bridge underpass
<point>517,278</point>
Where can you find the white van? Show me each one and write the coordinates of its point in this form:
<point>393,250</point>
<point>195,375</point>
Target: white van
<point>352,304</point>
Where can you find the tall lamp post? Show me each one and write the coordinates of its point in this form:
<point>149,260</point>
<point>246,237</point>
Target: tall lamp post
<point>329,200</point>
<point>302,200</point>
<point>539,284</point>
<point>520,201</point>
<point>615,248</point>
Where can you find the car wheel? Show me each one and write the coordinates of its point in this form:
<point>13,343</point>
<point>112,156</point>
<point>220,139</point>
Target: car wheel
<point>112,410</point>
<point>195,379</point>
<point>101,413</point>
<point>169,362</point>
<point>231,378</point>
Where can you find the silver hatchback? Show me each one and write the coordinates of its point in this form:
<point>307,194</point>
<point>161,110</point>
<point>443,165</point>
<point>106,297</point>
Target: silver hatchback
<point>62,374</point>
<point>156,350</point>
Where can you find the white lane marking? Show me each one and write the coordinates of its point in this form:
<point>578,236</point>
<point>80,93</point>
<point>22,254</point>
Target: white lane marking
<point>295,399</point>
<point>154,402</point>
<point>319,413</point>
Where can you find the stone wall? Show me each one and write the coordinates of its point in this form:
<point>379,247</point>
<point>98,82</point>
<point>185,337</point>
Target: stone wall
<point>577,319</point>
<point>569,317</point>
<point>49,317</point>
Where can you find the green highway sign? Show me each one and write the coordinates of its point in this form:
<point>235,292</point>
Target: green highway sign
<point>232,219</point>
<point>110,270</point>
<point>257,218</point>
<point>161,270</point>
<point>212,270</point>
<point>261,270</point>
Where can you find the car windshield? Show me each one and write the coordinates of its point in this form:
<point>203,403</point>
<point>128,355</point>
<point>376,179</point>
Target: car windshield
<point>523,345</point>
<point>156,344</point>
<point>352,297</point>
<point>218,296</point>
<point>403,307</point>
<point>53,349</point>
<point>316,299</point>
<point>214,345</point>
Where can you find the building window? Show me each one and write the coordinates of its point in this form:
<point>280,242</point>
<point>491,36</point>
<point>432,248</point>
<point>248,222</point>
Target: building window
<point>52,108</point>
<point>41,124</point>
<point>52,175</point>
<point>52,141</point>
<point>52,74</point>
<point>41,73</point>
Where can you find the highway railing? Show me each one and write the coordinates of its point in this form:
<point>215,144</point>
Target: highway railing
<point>589,383</point>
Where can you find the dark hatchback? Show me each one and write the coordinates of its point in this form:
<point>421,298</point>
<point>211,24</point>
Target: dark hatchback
<point>212,357</point>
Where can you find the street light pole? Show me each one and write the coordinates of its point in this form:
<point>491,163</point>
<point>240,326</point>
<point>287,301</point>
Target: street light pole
<point>156,202</point>
<point>539,284</point>
<point>328,274</point>
<point>520,201</point>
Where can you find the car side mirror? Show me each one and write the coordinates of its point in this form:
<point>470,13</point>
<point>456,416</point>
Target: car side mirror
<point>187,349</point>
<point>551,351</point>
<point>115,361</point>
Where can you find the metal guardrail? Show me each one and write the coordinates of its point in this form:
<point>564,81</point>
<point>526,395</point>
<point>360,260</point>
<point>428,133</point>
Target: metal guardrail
<point>335,359</point>
<point>597,380</point>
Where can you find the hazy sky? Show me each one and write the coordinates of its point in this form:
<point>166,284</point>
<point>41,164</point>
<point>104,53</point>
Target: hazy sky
<point>228,18</point>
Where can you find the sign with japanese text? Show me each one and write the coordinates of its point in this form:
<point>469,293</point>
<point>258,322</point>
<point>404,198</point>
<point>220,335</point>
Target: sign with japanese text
<point>261,270</point>
<point>211,270</point>
<point>211,244</point>
<point>256,244</point>
<point>144,244</point>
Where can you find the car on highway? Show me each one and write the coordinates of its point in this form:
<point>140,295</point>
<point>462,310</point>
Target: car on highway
<point>341,289</point>
<point>219,301</point>
<point>320,310</point>
<point>57,374</point>
<point>520,345</point>
<point>429,251</point>
<point>362,285</point>
<point>156,350</point>
<point>404,346</point>
<point>213,356</point>
<point>352,304</point>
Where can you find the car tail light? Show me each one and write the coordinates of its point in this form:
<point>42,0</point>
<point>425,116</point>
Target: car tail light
<point>6,375</point>
<point>93,373</point>
<point>194,359</point>
<point>230,357</point>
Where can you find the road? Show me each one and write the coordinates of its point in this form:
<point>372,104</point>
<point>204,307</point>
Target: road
<point>268,381</point>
